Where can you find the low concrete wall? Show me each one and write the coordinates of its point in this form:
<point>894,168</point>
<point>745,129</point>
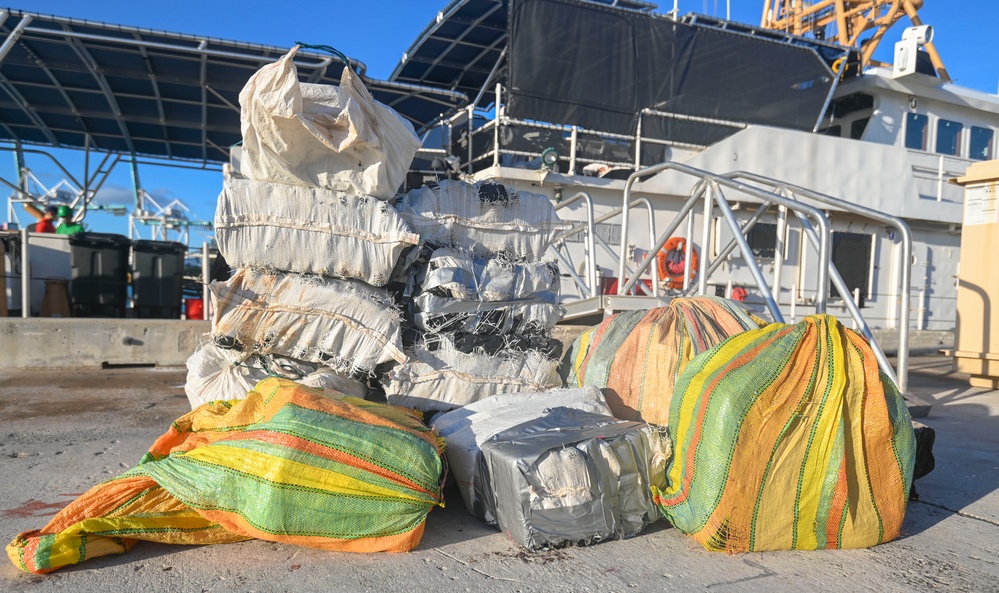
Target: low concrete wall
<point>45,342</point>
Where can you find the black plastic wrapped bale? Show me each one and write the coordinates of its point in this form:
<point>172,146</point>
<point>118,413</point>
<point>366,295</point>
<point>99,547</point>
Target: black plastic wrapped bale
<point>99,274</point>
<point>158,278</point>
<point>572,477</point>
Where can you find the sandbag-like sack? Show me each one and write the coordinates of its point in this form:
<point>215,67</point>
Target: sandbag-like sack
<point>215,373</point>
<point>636,356</point>
<point>288,464</point>
<point>321,135</point>
<point>309,230</point>
<point>788,437</point>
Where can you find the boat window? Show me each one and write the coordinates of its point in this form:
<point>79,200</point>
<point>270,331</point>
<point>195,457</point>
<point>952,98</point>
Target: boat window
<point>916,125</point>
<point>981,143</point>
<point>857,128</point>
<point>832,131</point>
<point>949,137</point>
<point>851,254</point>
<point>762,239</point>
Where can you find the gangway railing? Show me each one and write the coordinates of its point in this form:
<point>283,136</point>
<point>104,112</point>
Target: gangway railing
<point>901,375</point>
<point>709,189</point>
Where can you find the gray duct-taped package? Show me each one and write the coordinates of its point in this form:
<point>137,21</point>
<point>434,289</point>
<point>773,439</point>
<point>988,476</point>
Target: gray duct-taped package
<point>446,379</point>
<point>465,429</point>
<point>572,477</point>
<point>343,324</point>
<point>439,314</point>
<point>309,230</point>
<point>485,218</point>
<point>215,373</point>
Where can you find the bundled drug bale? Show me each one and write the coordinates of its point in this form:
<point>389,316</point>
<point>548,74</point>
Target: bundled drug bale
<point>467,428</point>
<point>446,379</point>
<point>572,477</point>
<point>485,218</point>
<point>309,230</point>
<point>215,373</point>
<point>458,274</point>
<point>336,473</point>
<point>637,356</point>
<point>788,437</point>
<point>320,135</point>
<point>343,324</point>
<point>443,315</point>
<point>492,344</point>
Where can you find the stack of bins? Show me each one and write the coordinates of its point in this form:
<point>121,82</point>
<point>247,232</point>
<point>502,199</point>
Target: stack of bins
<point>311,252</point>
<point>483,299</point>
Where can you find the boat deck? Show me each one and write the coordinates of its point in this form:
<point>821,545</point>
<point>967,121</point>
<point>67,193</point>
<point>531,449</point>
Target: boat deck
<point>66,430</point>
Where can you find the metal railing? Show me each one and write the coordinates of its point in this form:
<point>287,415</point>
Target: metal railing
<point>901,376</point>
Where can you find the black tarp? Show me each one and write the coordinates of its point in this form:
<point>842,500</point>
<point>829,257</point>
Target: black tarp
<point>578,63</point>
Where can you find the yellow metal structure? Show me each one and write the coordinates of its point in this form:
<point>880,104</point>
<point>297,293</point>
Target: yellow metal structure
<point>844,21</point>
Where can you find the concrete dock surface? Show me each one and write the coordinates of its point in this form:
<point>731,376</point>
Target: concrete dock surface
<point>64,430</point>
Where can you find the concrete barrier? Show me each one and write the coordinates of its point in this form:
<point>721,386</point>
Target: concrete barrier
<point>44,342</point>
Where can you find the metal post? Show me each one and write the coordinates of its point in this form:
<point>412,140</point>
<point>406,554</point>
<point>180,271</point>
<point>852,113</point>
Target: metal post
<point>779,250</point>
<point>471,116</point>
<point>638,142</point>
<point>496,125</point>
<point>856,301</point>
<point>940,178</point>
<point>206,278</point>
<point>591,250</point>
<point>794,303</point>
<point>572,150</point>
<point>137,187</point>
<point>702,280</point>
<point>921,322</point>
<point>688,245</point>
<point>25,276</point>
<point>14,36</point>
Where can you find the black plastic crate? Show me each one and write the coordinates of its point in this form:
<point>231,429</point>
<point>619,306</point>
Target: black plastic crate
<point>158,278</point>
<point>99,274</point>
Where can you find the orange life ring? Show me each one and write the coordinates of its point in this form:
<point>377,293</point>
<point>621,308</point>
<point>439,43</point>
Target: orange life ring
<point>670,260</point>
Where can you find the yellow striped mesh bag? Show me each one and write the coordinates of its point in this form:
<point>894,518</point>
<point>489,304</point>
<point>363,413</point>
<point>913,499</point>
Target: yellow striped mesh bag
<point>635,357</point>
<point>788,438</point>
<point>287,464</point>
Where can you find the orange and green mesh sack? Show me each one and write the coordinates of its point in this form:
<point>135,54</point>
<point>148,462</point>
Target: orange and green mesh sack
<point>636,357</point>
<point>788,437</point>
<point>287,464</point>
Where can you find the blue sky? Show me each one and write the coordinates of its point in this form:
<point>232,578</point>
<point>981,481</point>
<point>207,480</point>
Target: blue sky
<point>377,32</point>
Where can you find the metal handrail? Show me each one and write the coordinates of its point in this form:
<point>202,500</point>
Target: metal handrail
<point>716,182</point>
<point>905,235</point>
<point>591,249</point>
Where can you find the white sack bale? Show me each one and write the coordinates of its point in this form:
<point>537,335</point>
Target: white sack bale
<point>215,373</point>
<point>309,230</point>
<point>343,324</point>
<point>465,429</point>
<point>320,135</point>
<point>485,218</point>
<point>447,379</point>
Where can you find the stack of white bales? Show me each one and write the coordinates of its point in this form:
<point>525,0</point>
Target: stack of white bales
<point>305,224</point>
<point>486,300</point>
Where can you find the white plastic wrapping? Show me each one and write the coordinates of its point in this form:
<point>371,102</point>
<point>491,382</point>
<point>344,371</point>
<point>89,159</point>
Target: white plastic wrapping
<point>214,373</point>
<point>459,274</point>
<point>487,219</point>
<point>343,324</point>
<point>447,379</point>
<point>321,135</point>
<point>309,230</point>
<point>465,429</point>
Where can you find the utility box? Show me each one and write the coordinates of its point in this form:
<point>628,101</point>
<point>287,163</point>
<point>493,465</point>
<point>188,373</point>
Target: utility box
<point>976,349</point>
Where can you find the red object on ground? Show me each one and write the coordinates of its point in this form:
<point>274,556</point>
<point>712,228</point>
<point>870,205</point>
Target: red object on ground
<point>194,308</point>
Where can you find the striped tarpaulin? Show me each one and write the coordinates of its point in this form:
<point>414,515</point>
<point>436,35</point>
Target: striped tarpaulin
<point>635,357</point>
<point>287,464</point>
<point>788,437</point>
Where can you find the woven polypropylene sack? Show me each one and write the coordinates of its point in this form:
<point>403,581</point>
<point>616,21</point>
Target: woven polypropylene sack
<point>446,379</point>
<point>288,464</point>
<point>215,373</point>
<point>789,438</point>
<point>321,135</point>
<point>309,231</point>
<point>636,356</point>
<point>460,275</point>
<point>465,429</point>
<point>343,324</point>
<point>487,219</point>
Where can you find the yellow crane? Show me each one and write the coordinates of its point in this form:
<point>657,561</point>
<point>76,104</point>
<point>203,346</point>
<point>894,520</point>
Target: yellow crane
<point>844,21</point>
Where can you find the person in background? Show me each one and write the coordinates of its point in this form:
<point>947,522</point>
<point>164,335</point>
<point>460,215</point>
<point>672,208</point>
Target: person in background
<point>67,226</point>
<point>46,218</point>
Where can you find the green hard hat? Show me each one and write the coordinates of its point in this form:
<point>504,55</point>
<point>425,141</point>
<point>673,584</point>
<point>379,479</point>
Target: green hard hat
<point>64,211</point>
